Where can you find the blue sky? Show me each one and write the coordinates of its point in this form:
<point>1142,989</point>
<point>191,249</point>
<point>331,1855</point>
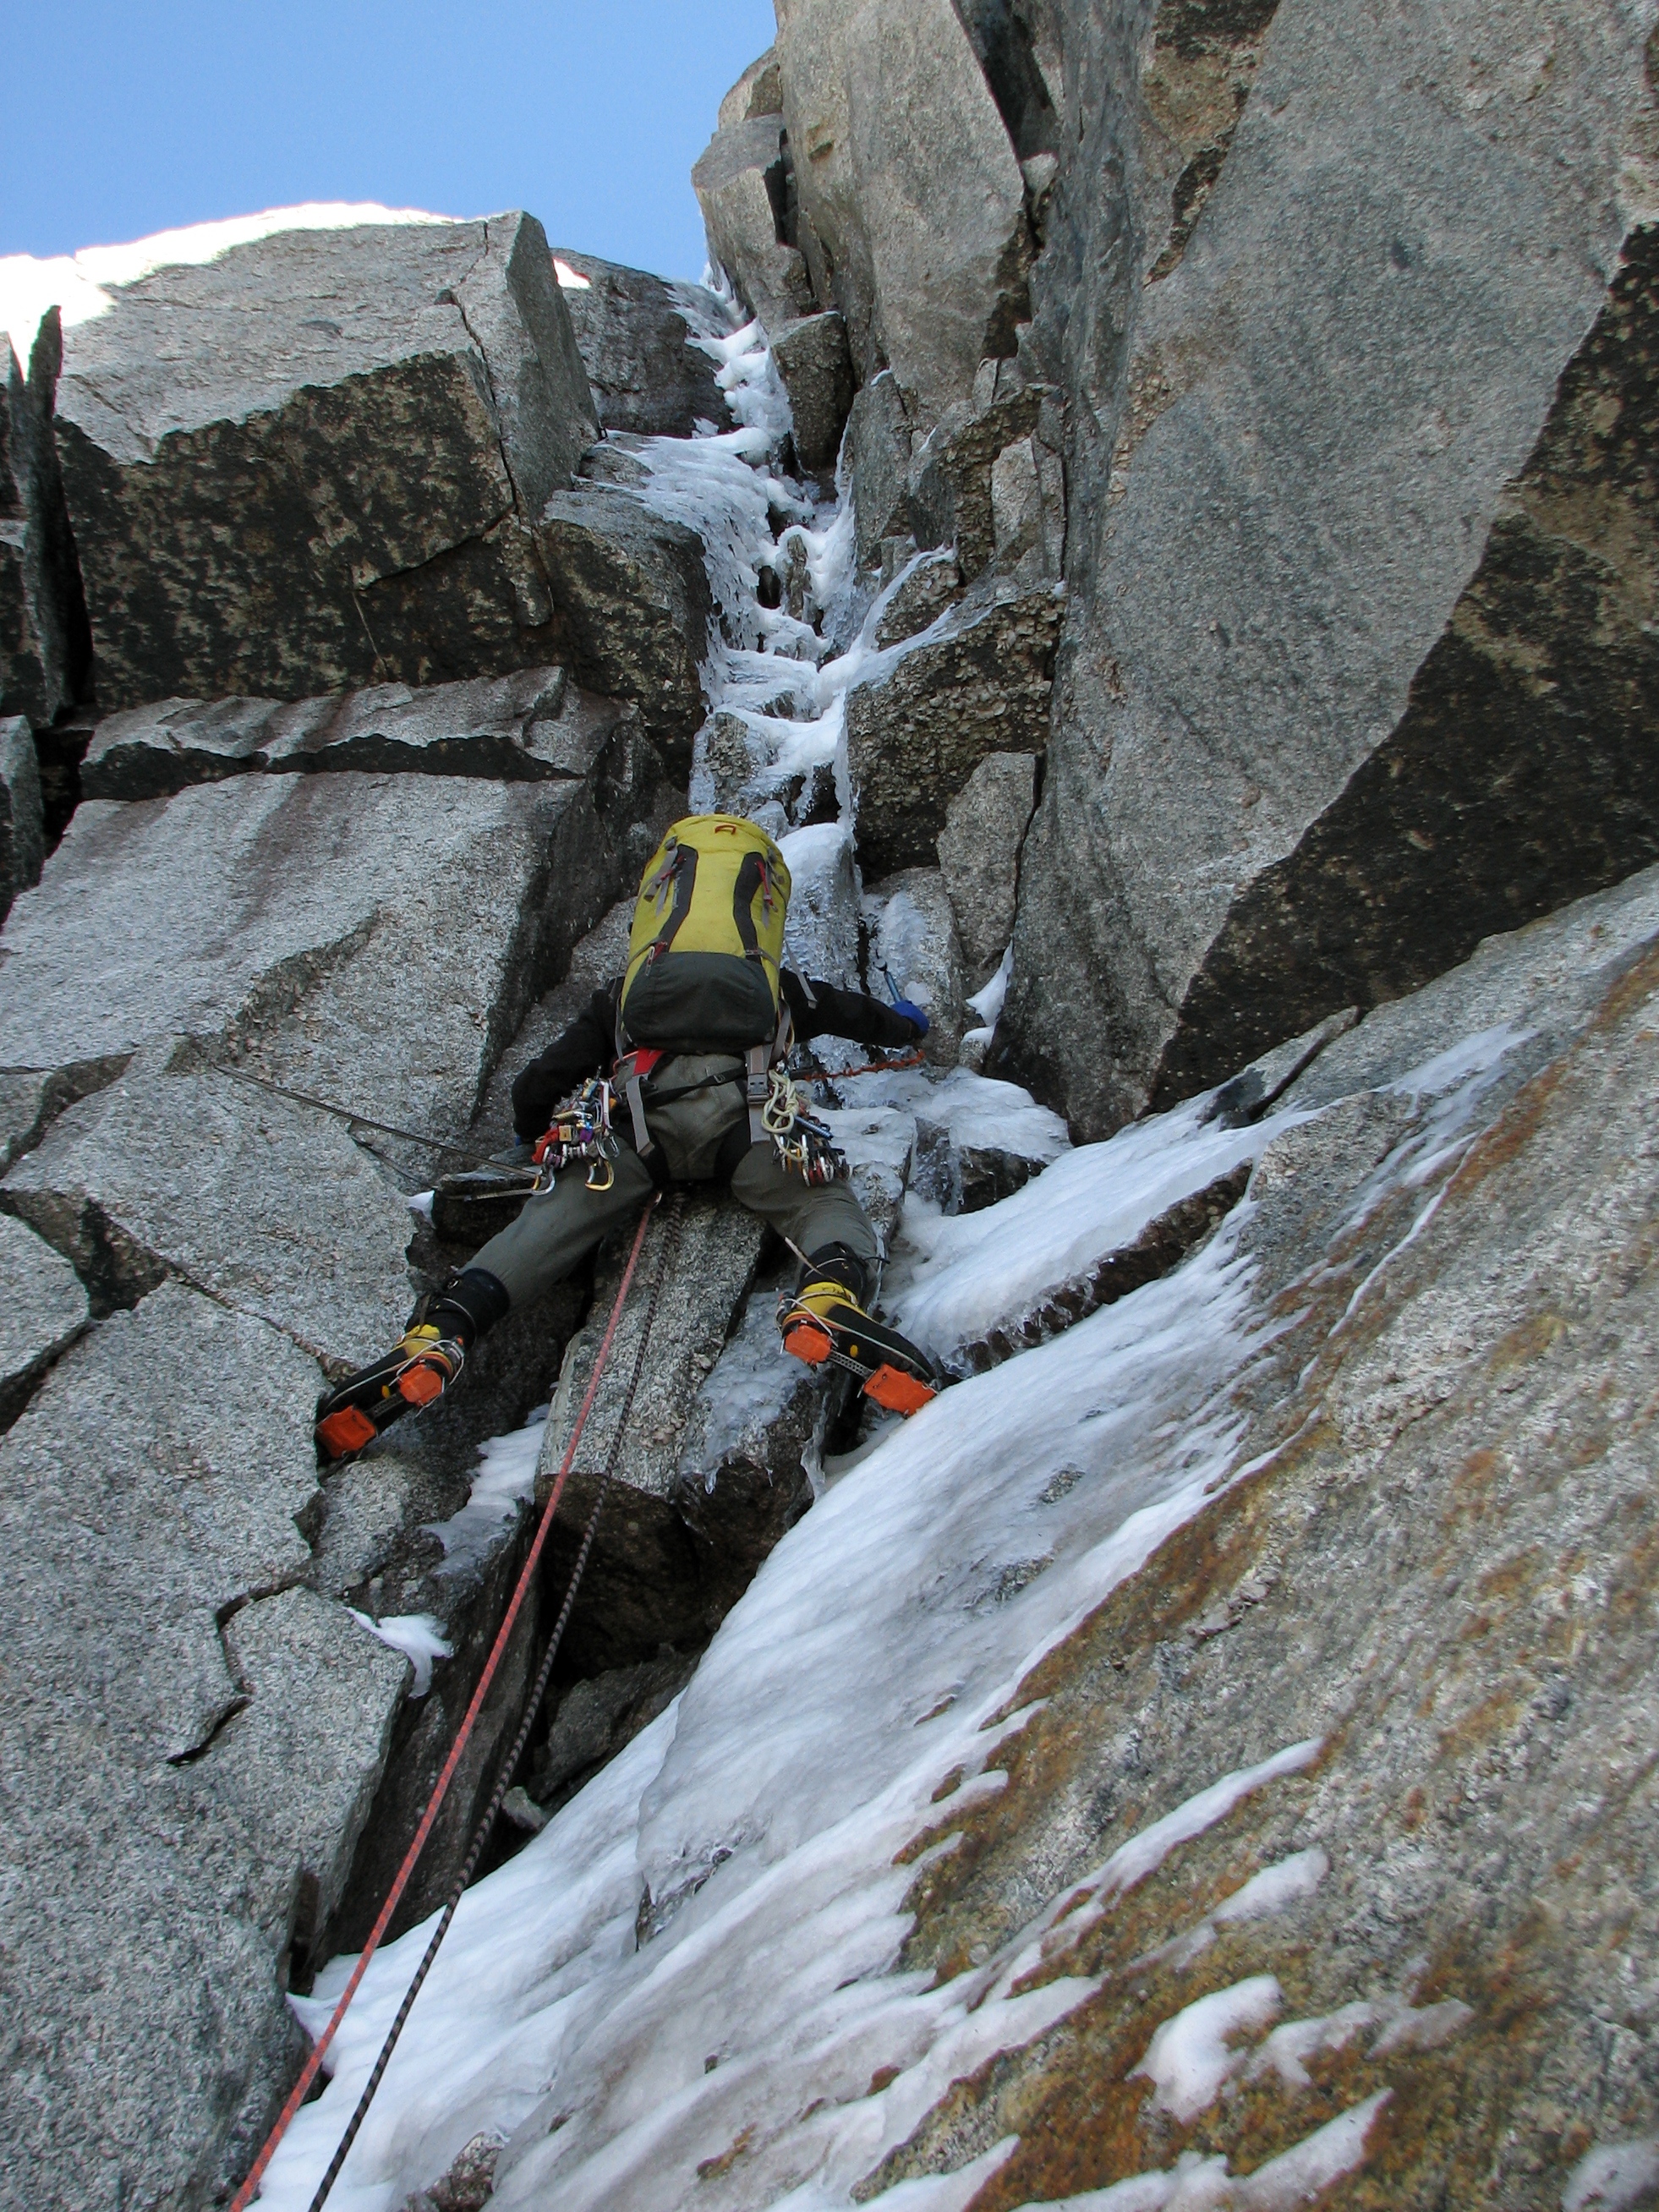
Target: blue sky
<point>127,118</point>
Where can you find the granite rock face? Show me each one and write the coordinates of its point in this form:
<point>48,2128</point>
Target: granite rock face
<point>1430,1572</point>
<point>1377,627</point>
<point>916,733</point>
<point>21,842</point>
<point>910,187</point>
<point>175,1789</point>
<point>812,360</point>
<point>652,1579</point>
<point>633,605</point>
<point>263,1204</point>
<point>979,856</point>
<point>371,940</point>
<point>635,334</point>
<point>43,1308</point>
<point>531,726</point>
<point>236,441</point>
<point>745,183</point>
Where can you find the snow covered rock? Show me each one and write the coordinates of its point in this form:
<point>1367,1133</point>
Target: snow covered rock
<point>177,1790</point>
<point>743,181</point>
<point>43,1308</point>
<point>635,334</point>
<point>920,589</point>
<point>371,940</point>
<point>1375,626</point>
<point>979,856</point>
<point>22,844</point>
<point>263,1204</point>
<point>529,726</point>
<point>915,735</point>
<point>634,604</point>
<point>906,174</point>
<point>312,463</point>
<point>812,357</point>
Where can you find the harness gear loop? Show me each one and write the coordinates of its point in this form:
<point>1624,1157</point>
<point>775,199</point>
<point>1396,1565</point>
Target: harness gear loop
<point>312,2066</point>
<point>579,1130</point>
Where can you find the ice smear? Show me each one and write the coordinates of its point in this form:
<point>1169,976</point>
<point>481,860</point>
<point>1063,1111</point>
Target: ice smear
<point>987,1003</point>
<point>1146,1851</point>
<point>795,1749</point>
<point>1612,2177</point>
<point>506,1476</point>
<point>75,283</point>
<point>1191,2058</point>
<point>418,1636</point>
<point>960,1275</point>
<point>1284,1883</point>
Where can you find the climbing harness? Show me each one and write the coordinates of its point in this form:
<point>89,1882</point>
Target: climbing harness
<point>309,2071</point>
<point>802,1142</point>
<point>579,1133</point>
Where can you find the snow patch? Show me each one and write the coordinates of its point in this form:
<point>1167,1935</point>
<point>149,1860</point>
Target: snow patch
<point>506,1476</point>
<point>418,1636</point>
<point>1613,2176</point>
<point>1190,2058</point>
<point>76,284</point>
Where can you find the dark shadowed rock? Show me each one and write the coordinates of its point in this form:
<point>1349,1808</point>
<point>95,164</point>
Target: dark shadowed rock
<point>635,332</point>
<point>632,593</point>
<point>175,1789</point>
<point>265,1205</point>
<point>373,940</point>
<point>812,360</point>
<point>1376,626</point>
<point>979,856</point>
<point>745,183</point>
<point>45,650</point>
<point>22,845</point>
<point>312,463</point>
<point>43,1308</point>
<point>915,736</point>
<point>910,182</point>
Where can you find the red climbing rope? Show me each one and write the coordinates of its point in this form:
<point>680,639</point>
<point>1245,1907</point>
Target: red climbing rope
<point>243,2196</point>
<point>870,1067</point>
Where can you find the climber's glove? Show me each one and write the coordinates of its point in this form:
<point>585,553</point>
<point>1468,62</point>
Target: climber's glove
<point>908,1010</point>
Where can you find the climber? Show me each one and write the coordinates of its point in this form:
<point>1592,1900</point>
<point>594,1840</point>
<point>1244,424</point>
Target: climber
<point>694,1037</point>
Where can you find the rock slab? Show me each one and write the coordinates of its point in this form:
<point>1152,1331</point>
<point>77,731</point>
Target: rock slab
<point>636,335</point>
<point>311,463</point>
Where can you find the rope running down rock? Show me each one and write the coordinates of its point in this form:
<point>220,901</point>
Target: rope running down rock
<point>309,2071</point>
<point>504,1778</point>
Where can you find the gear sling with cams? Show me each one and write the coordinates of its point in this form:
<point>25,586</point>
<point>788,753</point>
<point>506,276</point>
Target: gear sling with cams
<point>674,1074</point>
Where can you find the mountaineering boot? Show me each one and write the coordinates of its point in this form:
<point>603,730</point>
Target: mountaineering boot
<point>441,1332</point>
<point>825,1319</point>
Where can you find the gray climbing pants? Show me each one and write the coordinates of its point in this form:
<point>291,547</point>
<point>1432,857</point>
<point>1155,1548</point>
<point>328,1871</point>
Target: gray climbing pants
<point>557,1228</point>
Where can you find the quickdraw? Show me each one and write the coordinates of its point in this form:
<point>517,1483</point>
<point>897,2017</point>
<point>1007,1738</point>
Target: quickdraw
<point>579,1132</point>
<point>802,1142</point>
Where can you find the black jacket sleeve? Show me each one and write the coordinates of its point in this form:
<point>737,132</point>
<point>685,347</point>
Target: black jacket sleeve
<point>588,1045</point>
<point>845,1014</point>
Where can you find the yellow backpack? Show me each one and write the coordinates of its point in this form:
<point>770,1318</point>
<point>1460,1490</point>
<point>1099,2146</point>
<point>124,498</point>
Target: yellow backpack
<point>706,945</point>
